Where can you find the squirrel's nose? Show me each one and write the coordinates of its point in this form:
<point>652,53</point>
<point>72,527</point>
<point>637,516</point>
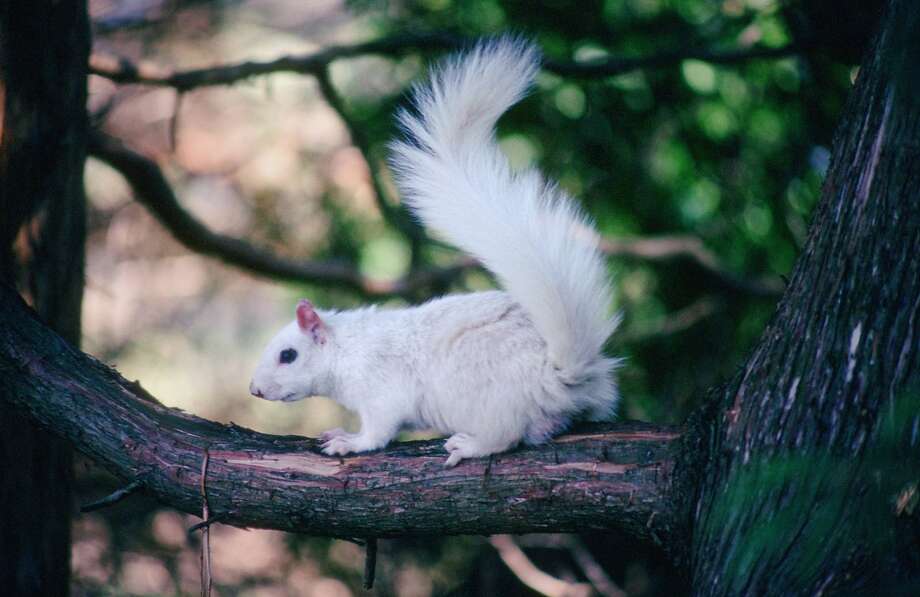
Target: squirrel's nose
<point>255,391</point>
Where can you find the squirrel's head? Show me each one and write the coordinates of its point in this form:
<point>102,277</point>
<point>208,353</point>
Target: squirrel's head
<point>296,361</point>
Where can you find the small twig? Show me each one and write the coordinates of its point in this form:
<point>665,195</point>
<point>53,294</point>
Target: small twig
<point>673,323</point>
<point>114,497</point>
<point>205,532</point>
<point>392,215</point>
<point>521,566</point>
<point>370,562</point>
<point>136,388</point>
<point>667,248</point>
<point>204,524</point>
<point>608,67</point>
<point>174,122</point>
<point>593,571</point>
<point>122,70</point>
<point>134,16</point>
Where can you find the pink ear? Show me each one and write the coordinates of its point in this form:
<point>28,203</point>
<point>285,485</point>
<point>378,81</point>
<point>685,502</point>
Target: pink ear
<point>309,322</point>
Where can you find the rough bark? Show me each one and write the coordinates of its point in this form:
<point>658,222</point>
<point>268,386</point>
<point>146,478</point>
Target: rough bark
<point>617,476</point>
<point>811,446</point>
<point>43,51</point>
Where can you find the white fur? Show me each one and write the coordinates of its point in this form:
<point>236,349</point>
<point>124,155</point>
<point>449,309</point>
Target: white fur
<point>492,368</point>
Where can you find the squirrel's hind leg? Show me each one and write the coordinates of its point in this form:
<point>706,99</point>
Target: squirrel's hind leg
<point>464,445</point>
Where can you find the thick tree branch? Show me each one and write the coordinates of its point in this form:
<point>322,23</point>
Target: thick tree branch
<point>122,70</point>
<point>613,476</point>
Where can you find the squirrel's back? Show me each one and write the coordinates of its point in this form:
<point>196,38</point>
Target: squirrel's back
<point>526,231</point>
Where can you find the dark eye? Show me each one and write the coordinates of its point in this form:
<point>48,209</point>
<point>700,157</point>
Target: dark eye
<point>287,356</point>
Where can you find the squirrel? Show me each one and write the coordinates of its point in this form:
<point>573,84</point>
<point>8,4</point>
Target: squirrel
<point>491,369</point>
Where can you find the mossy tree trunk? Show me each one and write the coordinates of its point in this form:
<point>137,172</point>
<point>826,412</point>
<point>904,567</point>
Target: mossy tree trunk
<point>44,46</point>
<point>812,450</point>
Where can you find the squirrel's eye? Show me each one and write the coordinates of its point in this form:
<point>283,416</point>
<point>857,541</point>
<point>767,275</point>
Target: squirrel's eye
<point>287,356</point>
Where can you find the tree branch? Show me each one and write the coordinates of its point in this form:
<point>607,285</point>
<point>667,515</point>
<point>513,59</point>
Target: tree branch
<point>668,248</point>
<point>154,192</point>
<point>370,563</point>
<point>609,476</point>
<point>528,573</point>
<point>673,323</point>
<point>395,217</point>
<point>206,530</point>
<point>592,570</point>
<point>113,498</point>
<point>122,70</point>
<point>608,67</point>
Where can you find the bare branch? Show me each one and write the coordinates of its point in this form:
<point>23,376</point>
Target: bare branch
<point>668,248</point>
<point>673,323</point>
<point>113,498</point>
<point>395,217</point>
<point>528,573</point>
<point>370,563</point>
<point>208,522</point>
<point>206,530</point>
<point>593,571</point>
<point>122,70</point>
<point>154,192</point>
<point>603,477</point>
<point>174,122</point>
<point>608,67</point>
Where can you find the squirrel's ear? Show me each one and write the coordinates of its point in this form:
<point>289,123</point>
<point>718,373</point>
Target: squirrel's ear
<point>309,322</point>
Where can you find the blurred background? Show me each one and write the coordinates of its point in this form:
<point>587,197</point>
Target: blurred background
<point>700,167</point>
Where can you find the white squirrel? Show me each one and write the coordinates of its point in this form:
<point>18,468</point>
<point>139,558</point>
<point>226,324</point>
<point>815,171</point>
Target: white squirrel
<point>493,369</point>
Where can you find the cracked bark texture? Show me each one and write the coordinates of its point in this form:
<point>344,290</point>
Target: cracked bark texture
<point>815,438</point>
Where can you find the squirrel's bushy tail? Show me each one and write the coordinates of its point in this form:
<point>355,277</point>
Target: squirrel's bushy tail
<point>527,232</point>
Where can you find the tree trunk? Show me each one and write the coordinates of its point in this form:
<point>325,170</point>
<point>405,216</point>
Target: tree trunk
<point>44,47</point>
<point>813,456</point>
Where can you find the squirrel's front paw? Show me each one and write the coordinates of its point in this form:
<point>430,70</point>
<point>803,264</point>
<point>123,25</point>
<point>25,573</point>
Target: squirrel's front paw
<point>338,445</point>
<point>325,436</point>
